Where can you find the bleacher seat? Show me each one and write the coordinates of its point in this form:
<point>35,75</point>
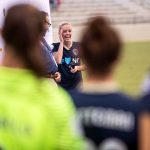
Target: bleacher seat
<point>119,11</point>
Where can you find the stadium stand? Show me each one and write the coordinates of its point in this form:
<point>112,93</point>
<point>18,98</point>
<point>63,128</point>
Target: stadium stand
<point>120,12</point>
<point>143,3</point>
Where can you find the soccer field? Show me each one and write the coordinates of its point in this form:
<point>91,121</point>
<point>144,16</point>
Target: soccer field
<point>133,67</point>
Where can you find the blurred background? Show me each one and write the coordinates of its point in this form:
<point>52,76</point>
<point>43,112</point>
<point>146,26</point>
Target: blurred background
<point>132,20</point>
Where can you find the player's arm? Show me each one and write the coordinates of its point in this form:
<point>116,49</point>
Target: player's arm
<point>58,55</point>
<point>81,68</point>
<point>144,132</point>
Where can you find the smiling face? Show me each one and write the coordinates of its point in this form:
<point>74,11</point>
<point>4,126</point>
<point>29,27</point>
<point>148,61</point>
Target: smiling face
<point>67,32</point>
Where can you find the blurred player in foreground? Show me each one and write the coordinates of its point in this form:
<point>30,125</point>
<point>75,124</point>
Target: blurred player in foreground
<point>34,115</point>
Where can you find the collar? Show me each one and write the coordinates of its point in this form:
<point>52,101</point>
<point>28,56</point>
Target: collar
<point>69,47</point>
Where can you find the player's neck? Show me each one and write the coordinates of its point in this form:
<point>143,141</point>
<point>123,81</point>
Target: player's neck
<point>68,45</point>
<point>99,84</point>
<point>98,78</point>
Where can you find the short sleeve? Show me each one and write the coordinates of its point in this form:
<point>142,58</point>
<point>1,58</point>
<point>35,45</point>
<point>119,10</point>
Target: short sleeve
<point>145,103</point>
<point>54,47</point>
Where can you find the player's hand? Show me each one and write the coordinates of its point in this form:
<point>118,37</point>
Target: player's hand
<point>60,36</point>
<point>74,70</point>
<point>57,77</point>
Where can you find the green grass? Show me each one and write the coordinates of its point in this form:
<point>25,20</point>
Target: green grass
<point>133,67</point>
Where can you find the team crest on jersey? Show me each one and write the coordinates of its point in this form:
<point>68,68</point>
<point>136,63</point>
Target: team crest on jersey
<point>67,60</point>
<point>75,51</point>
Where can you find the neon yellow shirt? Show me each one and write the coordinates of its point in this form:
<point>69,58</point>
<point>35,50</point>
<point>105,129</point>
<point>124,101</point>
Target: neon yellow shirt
<point>34,115</point>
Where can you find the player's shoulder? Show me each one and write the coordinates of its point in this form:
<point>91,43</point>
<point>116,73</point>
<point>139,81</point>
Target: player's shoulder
<point>76,44</point>
<point>125,99</point>
<point>76,47</point>
<point>144,102</point>
<point>78,96</point>
<point>55,44</point>
<point>145,97</point>
<point>74,92</point>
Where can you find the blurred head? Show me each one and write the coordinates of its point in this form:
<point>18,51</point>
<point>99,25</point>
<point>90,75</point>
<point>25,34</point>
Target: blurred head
<point>66,31</point>
<point>21,33</point>
<point>100,47</point>
<point>45,20</point>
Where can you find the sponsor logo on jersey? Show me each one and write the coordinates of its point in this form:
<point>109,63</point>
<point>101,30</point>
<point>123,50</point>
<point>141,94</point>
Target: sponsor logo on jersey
<point>67,60</point>
<point>75,51</point>
<point>75,60</point>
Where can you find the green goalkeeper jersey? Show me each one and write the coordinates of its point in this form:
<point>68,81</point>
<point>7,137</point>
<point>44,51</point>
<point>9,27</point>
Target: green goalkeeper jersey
<point>34,115</point>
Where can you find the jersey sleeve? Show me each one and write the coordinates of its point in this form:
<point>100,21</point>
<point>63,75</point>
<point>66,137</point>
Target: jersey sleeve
<point>145,104</point>
<point>54,47</point>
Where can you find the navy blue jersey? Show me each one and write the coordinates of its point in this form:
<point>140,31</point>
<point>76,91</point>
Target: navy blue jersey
<point>51,66</point>
<point>70,59</point>
<point>145,103</point>
<point>109,120</point>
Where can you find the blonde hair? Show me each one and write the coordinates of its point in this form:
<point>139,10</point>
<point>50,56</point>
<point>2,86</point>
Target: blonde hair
<point>62,24</point>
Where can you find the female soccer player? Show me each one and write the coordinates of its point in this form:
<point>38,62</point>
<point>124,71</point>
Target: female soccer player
<point>108,116</point>
<point>67,58</point>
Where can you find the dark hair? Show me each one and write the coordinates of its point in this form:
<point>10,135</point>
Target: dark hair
<point>22,31</point>
<point>43,15</point>
<point>100,46</point>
